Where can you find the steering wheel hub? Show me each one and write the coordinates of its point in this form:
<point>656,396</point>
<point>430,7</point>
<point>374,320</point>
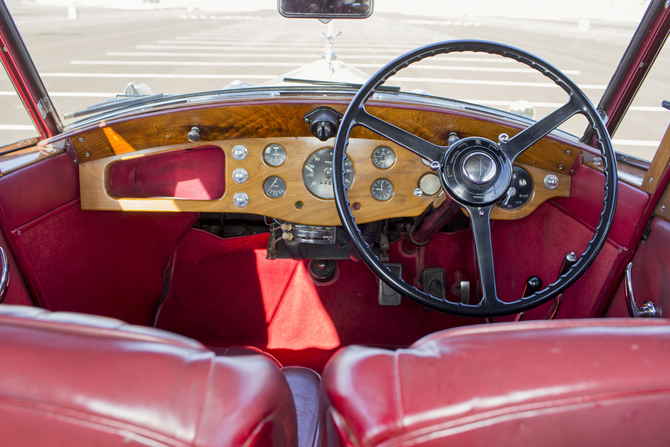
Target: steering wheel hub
<point>479,168</point>
<point>476,172</point>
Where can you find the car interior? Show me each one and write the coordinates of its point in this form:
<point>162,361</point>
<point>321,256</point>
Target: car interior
<point>288,270</point>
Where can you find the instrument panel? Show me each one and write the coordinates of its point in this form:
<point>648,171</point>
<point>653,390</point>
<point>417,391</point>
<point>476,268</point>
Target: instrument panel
<point>291,179</point>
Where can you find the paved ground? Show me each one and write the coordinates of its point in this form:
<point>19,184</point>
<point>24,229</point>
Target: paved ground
<point>92,58</point>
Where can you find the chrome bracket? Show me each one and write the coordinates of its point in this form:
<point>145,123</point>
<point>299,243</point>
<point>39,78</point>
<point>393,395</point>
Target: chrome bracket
<point>4,274</point>
<point>648,310</point>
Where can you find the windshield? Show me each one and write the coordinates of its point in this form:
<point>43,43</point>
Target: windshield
<point>89,53</point>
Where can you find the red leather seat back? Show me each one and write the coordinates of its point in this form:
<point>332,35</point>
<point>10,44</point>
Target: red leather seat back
<point>70,379</point>
<point>537,383</point>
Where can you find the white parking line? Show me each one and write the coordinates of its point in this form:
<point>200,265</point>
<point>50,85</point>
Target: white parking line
<point>295,64</point>
<point>238,55</point>
<point>636,142</point>
<point>246,48</point>
<point>16,127</point>
<point>155,75</point>
<point>70,94</point>
<point>487,82</point>
<point>193,63</point>
<point>284,43</point>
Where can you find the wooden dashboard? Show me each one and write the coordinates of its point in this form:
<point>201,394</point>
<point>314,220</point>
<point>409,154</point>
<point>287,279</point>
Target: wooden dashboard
<point>101,150</point>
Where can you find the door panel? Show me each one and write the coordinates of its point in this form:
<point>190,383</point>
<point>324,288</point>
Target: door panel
<point>650,273</point>
<point>105,263</point>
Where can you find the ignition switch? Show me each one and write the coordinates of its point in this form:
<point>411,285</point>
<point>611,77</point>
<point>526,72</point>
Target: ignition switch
<point>323,122</point>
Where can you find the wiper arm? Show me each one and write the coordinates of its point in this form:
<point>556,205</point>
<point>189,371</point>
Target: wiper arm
<point>383,88</point>
<point>119,102</point>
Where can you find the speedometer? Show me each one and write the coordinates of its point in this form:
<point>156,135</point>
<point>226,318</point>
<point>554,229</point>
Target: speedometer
<point>318,173</point>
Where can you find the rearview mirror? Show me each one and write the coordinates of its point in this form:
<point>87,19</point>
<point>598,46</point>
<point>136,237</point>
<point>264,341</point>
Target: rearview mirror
<point>326,9</point>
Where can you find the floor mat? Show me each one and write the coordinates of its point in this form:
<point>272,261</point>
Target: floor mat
<point>224,292</point>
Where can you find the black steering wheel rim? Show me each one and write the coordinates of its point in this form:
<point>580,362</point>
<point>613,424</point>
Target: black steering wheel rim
<point>489,306</point>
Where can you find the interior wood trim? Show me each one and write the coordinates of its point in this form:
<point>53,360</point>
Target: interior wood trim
<point>267,119</point>
<point>404,175</point>
<point>658,165</point>
<point>540,194</point>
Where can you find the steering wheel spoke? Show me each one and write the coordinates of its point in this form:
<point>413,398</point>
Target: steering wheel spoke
<point>480,217</point>
<point>411,142</point>
<point>526,138</point>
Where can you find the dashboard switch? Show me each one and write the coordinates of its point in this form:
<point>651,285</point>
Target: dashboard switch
<point>323,122</point>
<point>241,199</point>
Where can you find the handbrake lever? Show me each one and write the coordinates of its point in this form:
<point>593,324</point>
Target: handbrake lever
<point>533,284</point>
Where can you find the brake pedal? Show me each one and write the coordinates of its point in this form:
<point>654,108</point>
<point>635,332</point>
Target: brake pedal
<point>388,296</point>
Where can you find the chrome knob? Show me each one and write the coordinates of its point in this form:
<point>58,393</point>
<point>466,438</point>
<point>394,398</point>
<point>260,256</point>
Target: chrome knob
<point>240,175</point>
<point>194,135</point>
<point>241,199</point>
<point>551,181</point>
<point>240,152</point>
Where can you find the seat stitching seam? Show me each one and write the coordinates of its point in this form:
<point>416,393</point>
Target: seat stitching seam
<point>398,390</point>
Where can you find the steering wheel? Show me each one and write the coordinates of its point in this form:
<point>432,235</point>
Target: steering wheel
<point>475,173</point>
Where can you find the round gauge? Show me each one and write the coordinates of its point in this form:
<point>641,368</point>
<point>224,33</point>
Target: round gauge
<point>274,155</point>
<point>430,184</point>
<point>520,190</point>
<point>383,157</point>
<point>382,190</point>
<point>318,173</point>
<point>274,187</point>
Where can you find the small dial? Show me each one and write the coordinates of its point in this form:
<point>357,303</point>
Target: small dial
<point>383,157</point>
<point>382,190</point>
<point>430,184</point>
<point>274,187</point>
<point>274,155</point>
<point>520,190</point>
<point>318,173</point>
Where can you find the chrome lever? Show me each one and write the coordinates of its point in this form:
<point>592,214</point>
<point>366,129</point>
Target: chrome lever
<point>648,310</point>
<point>4,275</point>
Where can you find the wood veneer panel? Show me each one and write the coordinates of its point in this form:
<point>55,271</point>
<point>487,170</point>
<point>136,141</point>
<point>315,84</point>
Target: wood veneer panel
<point>267,119</point>
<point>658,165</point>
<point>404,175</point>
<point>540,194</point>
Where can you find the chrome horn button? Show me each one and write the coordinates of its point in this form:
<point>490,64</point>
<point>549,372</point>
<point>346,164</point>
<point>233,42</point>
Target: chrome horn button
<point>475,172</point>
<point>479,168</point>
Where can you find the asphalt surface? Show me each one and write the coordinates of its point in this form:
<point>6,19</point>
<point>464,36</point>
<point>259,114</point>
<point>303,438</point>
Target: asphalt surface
<point>90,59</point>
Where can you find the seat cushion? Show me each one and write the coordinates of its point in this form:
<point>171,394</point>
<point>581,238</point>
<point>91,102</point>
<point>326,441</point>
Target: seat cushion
<point>236,351</point>
<point>536,383</point>
<point>71,379</point>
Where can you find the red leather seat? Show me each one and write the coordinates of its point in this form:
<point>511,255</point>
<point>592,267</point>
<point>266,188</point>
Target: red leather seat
<point>589,382</point>
<point>69,379</point>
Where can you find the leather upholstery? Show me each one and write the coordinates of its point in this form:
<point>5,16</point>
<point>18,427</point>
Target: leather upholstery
<point>582,382</point>
<point>71,379</point>
<point>235,351</point>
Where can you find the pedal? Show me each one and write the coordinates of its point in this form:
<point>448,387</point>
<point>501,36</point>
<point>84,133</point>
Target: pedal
<point>388,296</point>
<point>465,292</point>
<point>433,282</point>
